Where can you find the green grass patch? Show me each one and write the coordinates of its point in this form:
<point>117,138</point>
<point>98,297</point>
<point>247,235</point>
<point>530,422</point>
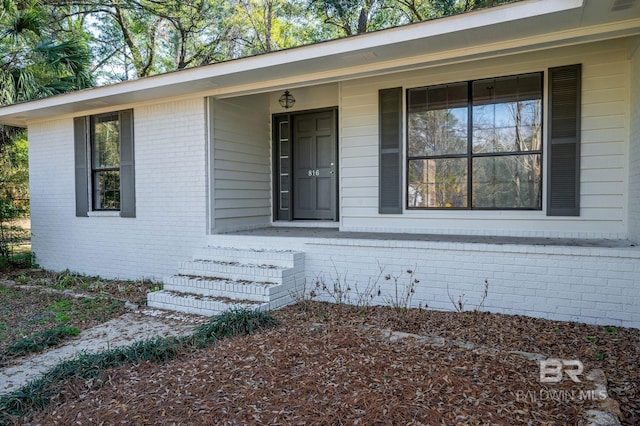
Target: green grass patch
<point>37,393</point>
<point>41,340</point>
<point>62,310</point>
<point>134,291</point>
<point>27,312</point>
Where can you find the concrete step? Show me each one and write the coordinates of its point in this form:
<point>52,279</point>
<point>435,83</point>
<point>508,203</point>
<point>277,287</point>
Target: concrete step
<point>284,258</point>
<point>237,271</point>
<point>223,278</point>
<point>199,304</point>
<point>221,287</point>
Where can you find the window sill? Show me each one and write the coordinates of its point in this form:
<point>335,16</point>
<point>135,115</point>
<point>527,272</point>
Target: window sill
<point>105,213</point>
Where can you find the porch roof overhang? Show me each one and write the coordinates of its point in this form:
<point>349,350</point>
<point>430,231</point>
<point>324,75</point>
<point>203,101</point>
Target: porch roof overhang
<point>524,26</point>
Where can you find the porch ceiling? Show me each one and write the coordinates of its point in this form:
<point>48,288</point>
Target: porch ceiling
<point>529,24</point>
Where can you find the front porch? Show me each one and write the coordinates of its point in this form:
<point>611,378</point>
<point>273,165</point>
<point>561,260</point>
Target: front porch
<point>588,280</point>
<point>327,230</point>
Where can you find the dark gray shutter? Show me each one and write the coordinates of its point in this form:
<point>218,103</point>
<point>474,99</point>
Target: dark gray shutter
<point>563,168</point>
<point>82,174</point>
<point>127,170</point>
<point>390,151</point>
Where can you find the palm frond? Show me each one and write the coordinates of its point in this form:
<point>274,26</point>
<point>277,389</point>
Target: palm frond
<point>29,20</point>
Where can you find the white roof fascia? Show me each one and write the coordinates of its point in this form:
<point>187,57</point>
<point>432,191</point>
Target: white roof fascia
<point>516,46</point>
<point>200,78</point>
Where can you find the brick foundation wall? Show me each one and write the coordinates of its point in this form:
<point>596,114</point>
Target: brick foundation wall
<point>586,284</point>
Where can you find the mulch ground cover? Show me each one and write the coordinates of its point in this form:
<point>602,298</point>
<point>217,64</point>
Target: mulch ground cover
<point>335,364</point>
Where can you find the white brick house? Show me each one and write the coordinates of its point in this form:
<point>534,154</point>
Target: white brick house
<point>501,145</point>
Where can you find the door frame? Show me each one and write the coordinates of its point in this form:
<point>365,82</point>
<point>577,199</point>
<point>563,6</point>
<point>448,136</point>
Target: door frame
<point>287,214</point>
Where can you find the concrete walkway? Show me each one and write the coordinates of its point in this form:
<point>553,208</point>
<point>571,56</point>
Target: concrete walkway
<point>121,331</point>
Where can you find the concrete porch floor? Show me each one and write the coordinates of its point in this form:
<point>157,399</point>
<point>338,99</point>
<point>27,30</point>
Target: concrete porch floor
<point>335,233</point>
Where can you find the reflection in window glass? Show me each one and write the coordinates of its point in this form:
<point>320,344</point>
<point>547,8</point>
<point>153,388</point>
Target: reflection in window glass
<point>105,150</point>
<point>507,182</point>
<point>440,183</point>
<point>438,120</point>
<point>492,140</point>
<point>507,114</point>
<point>107,190</point>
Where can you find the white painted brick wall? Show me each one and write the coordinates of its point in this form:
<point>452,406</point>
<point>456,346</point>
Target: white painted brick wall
<point>170,197</point>
<point>592,285</point>
<point>634,151</point>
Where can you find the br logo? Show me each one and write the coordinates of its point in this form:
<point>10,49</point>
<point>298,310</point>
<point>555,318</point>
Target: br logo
<point>552,370</point>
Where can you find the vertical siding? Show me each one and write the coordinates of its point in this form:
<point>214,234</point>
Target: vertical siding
<point>241,163</point>
<point>634,150</point>
<point>605,142</point>
<point>170,197</point>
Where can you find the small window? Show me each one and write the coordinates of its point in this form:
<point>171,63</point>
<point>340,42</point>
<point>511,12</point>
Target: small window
<point>105,162</point>
<point>476,144</point>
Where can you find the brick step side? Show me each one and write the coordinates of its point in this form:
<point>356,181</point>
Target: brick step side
<point>236,271</point>
<point>222,278</point>
<point>198,304</point>
<point>221,287</point>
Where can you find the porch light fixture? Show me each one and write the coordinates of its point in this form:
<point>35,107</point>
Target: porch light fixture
<point>287,100</point>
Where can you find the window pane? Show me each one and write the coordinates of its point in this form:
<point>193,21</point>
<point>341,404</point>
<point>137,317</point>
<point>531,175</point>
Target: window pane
<point>106,142</point>
<point>107,190</point>
<point>511,181</point>
<point>438,120</point>
<point>509,127</point>
<point>284,201</point>
<point>284,130</point>
<point>284,148</point>
<point>438,183</point>
<point>284,165</point>
<point>507,114</point>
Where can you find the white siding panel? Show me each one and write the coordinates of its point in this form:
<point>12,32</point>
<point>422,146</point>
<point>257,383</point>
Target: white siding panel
<point>367,130</point>
<point>359,151</point>
<point>599,188</point>
<point>604,175</point>
<point>604,169</point>
<point>601,201</point>
<point>604,162</point>
<point>604,135</point>
<point>602,122</point>
<point>235,213</point>
<point>603,108</point>
<point>241,162</point>
<point>237,160</point>
<point>358,140</point>
<point>634,151</point>
<point>603,148</point>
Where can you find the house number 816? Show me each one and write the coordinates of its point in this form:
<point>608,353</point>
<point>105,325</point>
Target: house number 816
<point>313,173</point>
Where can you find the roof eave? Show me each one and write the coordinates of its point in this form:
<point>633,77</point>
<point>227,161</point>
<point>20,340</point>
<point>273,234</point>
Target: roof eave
<point>203,79</point>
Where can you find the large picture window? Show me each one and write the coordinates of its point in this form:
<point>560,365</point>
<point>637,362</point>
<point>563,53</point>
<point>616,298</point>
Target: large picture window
<point>476,144</point>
